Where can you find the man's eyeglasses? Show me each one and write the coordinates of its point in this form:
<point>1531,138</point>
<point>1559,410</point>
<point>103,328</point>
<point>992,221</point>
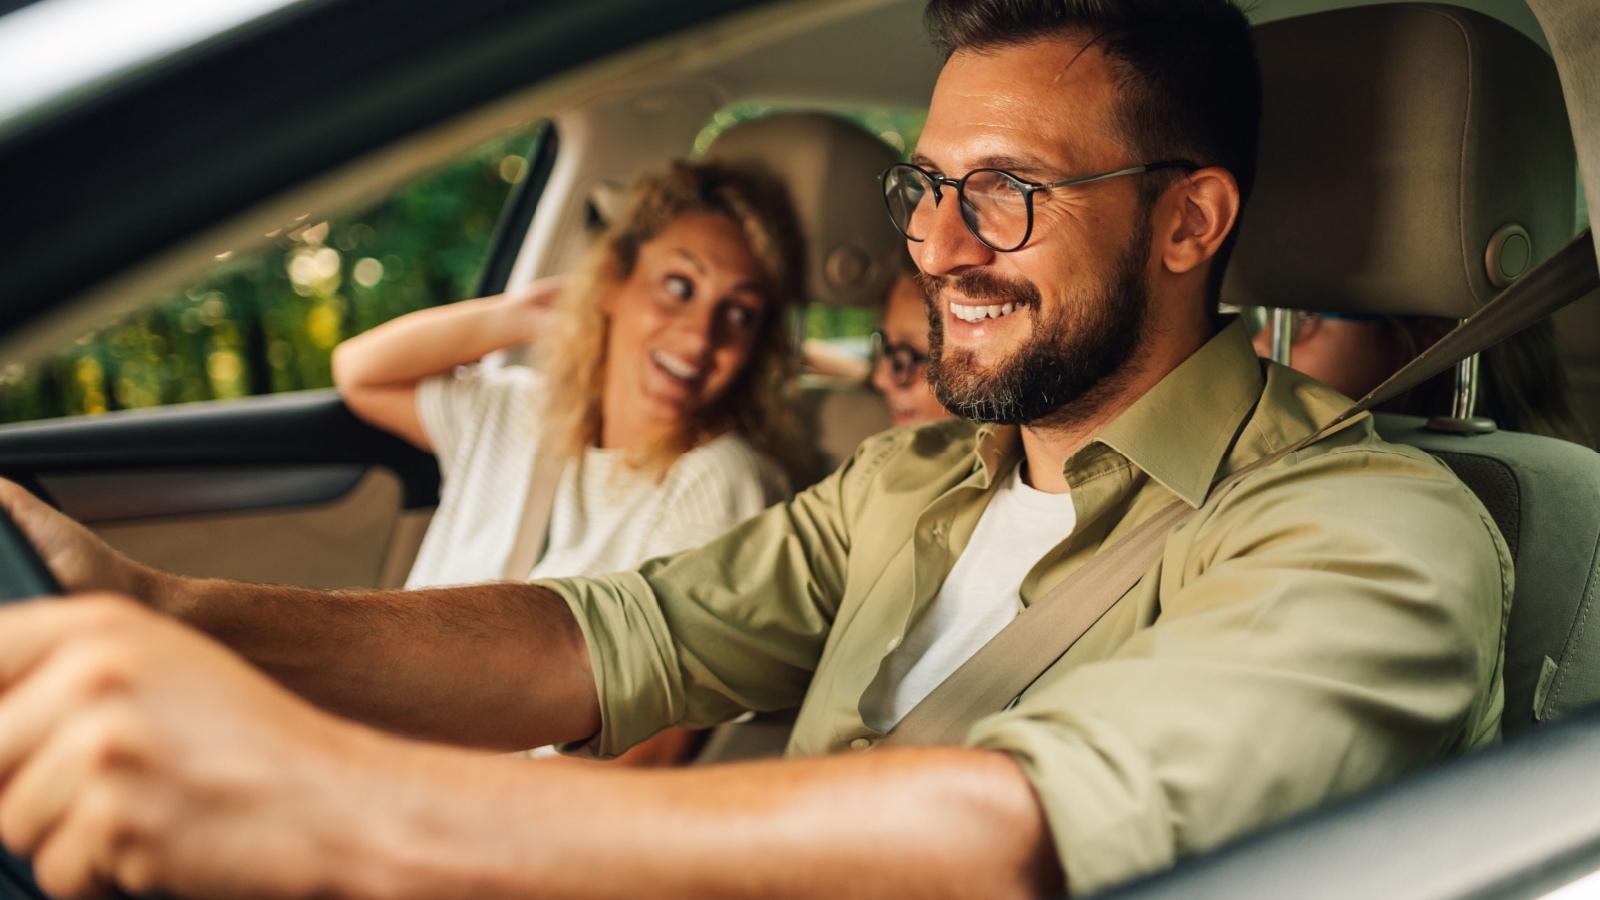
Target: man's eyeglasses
<point>904,361</point>
<point>996,205</point>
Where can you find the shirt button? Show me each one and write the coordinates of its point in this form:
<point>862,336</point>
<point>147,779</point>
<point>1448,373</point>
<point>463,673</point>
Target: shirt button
<point>938,531</point>
<point>860,744</point>
<point>894,642</point>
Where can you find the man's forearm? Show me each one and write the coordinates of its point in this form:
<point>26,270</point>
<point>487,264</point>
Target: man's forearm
<point>500,666</point>
<point>930,822</point>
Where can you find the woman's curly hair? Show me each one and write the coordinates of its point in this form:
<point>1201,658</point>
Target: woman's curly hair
<point>757,405</point>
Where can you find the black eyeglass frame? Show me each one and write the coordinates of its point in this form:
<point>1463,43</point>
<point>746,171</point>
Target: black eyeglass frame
<point>903,359</point>
<point>1028,189</point>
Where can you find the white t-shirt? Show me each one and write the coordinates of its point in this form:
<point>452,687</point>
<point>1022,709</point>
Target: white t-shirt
<point>483,424</point>
<point>981,596</point>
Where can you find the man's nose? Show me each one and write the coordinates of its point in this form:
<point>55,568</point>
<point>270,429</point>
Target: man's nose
<point>949,245</point>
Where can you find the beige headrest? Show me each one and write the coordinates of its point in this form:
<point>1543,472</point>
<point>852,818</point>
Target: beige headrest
<point>1405,151</point>
<point>831,167</point>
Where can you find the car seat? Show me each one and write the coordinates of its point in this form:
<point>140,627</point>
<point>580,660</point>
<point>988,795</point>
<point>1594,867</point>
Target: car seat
<point>832,167</point>
<point>1415,159</point>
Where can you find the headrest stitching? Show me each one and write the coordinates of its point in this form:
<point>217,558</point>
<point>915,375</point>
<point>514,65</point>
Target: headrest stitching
<point>1461,162</point>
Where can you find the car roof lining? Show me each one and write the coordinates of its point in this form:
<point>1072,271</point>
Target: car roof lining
<point>759,55</point>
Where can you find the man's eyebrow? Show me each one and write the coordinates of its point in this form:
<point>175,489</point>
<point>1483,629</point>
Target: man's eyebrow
<point>1016,165</point>
<point>1020,165</point>
<point>694,260</point>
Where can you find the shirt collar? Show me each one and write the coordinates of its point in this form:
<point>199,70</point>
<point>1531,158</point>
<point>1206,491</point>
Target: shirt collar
<point>1180,431</point>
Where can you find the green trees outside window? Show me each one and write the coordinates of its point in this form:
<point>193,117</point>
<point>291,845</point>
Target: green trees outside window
<point>268,322</point>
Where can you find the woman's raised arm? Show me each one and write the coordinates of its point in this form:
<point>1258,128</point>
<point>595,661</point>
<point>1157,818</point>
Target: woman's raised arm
<point>377,372</point>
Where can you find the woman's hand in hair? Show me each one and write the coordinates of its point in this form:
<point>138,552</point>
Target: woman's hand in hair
<point>530,309</point>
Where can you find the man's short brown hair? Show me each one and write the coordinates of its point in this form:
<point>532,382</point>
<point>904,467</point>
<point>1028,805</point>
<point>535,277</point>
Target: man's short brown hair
<point>1186,69</point>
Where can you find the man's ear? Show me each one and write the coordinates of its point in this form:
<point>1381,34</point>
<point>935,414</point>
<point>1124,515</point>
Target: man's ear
<point>1203,207</point>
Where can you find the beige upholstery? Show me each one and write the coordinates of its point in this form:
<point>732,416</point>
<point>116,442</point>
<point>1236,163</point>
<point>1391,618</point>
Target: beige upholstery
<point>832,169</point>
<point>838,416</point>
<point>1396,141</point>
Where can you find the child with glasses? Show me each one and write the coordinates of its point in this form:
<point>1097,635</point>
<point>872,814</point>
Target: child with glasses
<point>900,353</point>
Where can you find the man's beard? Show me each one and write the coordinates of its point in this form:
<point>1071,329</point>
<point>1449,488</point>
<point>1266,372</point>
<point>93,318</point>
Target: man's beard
<point>1070,361</point>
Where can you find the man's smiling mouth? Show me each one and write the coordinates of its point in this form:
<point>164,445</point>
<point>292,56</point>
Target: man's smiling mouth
<point>972,313</point>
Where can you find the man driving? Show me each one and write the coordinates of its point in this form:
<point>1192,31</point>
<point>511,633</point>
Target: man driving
<point>1326,623</point>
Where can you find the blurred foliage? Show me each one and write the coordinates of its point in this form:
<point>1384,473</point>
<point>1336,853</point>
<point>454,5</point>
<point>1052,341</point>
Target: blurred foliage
<point>268,321</point>
<point>899,128</point>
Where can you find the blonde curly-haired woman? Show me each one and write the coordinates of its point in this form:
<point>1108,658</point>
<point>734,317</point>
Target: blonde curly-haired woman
<point>659,382</point>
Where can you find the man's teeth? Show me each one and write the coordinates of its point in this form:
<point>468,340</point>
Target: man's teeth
<point>675,367</point>
<point>979,313</point>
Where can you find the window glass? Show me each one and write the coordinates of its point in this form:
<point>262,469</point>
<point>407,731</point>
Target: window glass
<point>844,327</point>
<point>1583,207</point>
<point>268,321</point>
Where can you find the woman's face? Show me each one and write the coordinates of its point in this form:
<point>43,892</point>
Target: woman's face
<point>683,324</point>
<point>904,382</point>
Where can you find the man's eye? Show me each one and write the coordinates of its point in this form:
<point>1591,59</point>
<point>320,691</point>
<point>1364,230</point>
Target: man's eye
<point>679,286</point>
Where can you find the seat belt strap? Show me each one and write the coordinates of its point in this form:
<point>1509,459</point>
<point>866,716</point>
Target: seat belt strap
<point>535,525</point>
<point>1041,634</point>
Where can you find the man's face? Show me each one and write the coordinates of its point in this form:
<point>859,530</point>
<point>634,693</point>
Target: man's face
<point>1078,289</point>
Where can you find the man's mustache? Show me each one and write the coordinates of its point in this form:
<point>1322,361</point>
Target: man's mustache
<point>980,286</point>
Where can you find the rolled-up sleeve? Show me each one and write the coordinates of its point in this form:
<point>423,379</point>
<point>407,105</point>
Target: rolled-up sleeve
<point>1331,623</point>
<point>701,637</point>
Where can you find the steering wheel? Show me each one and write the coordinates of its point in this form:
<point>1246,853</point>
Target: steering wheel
<point>22,576</point>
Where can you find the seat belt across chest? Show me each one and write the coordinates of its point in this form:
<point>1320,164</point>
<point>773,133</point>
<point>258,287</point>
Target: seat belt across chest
<point>534,528</point>
<point>1041,634</point>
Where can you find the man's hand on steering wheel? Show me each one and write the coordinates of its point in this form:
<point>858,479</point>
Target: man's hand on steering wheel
<point>79,560</point>
<point>135,752</point>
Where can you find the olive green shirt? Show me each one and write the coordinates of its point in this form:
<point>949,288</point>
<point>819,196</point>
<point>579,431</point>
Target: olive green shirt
<point>1322,625</point>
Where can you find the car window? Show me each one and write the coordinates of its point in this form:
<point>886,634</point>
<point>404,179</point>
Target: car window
<point>267,321</point>
<point>1583,206</point>
<point>844,327</point>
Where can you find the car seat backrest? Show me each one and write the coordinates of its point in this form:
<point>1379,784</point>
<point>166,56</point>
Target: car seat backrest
<point>1402,147</point>
<point>1545,496</point>
<point>831,167</point>
<point>1400,144</point>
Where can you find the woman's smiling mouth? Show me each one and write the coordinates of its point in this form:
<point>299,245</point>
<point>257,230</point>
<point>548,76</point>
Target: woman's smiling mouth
<point>678,368</point>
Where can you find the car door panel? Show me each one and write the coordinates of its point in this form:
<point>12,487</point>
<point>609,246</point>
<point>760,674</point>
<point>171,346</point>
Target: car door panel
<point>338,544</point>
<point>289,489</point>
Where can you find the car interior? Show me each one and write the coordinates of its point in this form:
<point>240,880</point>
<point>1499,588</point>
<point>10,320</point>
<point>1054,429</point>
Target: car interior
<point>1416,159</point>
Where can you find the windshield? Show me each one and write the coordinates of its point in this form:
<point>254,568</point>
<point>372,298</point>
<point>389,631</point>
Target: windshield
<point>51,50</point>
